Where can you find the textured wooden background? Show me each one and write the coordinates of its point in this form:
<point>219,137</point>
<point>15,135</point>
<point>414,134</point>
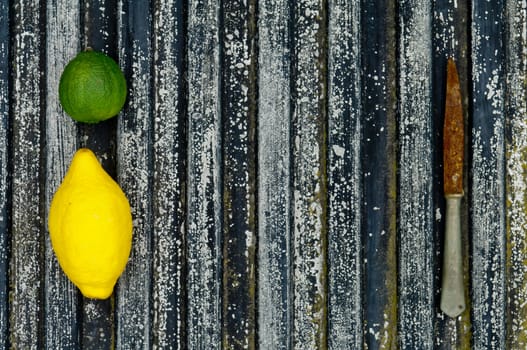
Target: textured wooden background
<point>283,161</point>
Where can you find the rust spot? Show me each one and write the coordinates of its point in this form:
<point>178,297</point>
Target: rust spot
<point>453,134</point>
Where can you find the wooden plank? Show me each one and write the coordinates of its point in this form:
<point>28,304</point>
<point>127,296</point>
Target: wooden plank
<point>99,23</point>
<point>345,321</point>
<point>5,186</point>
<point>415,163</point>
<point>204,199</point>
<point>61,296</point>
<point>274,176</point>
<point>168,197</point>
<point>27,223</point>
<point>99,31</point>
<point>134,165</point>
<point>41,294</point>
<point>309,174</point>
<point>516,150</point>
<point>239,175</point>
<point>97,324</point>
<point>487,187</point>
<point>450,39</point>
<point>379,173</point>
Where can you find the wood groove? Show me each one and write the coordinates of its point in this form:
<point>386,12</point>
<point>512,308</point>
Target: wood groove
<point>283,161</point>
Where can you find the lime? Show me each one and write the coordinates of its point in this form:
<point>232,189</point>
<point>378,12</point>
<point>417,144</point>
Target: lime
<point>92,87</point>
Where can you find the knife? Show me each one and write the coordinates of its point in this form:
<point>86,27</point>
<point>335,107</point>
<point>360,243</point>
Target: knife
<point>452,288</point>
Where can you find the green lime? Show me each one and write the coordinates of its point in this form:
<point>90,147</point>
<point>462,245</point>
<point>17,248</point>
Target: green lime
<point>92,87</point>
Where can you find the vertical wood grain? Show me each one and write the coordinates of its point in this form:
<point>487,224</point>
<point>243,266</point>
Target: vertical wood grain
<point>4,170</point>
<point>239,185</point>
<point>99,20</point>
<point>134,166</point>
<point>277,201</point>
<point>516,150</point>
<point>99,31</point>
<point>204,196</point>
<point>378,89</point>
<point>309,185</point>
<point>168,196</point>
<point>345,321</point>
<point>97,321</point>
<point>61,296</point>
<point>27,222</point>
<point>274,176</point>
<point>415,163</point>
<point>487,186</point>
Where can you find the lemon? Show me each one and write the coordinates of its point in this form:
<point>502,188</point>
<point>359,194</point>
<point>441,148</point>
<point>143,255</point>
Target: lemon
<point>92,87</point>
<point>90,226</point>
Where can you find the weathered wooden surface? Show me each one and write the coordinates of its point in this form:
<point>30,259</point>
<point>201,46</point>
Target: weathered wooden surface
<point>344,177</point>
<point>487,200</point>
<point>378,172</point>
<point>516,136</point>
<point>308,137</point>
<point>134,167</point>
<point>4,172</point>
<point>415,185</point>
<point>204,199</point>
<point>27,222</point>
<point>283,160</point>
<point>168,202</point>
<point>274,176</point>
<point>62,300</point>
<point>239,174</point>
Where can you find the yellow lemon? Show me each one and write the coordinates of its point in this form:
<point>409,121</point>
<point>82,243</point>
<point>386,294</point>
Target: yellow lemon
<point>90,226</point>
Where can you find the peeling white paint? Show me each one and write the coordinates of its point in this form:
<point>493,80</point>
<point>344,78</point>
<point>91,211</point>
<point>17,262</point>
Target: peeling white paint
<point>275,292</point>
<point>4,176</point>
<point>25,269</point>
<point>308,207</point>
<point>488,191</point>
<point>133,165</point>
<point>61,139</point>
<point>416,215</point>
<point>203,175</point>
<point>516,43</point>
<point>169,220</point>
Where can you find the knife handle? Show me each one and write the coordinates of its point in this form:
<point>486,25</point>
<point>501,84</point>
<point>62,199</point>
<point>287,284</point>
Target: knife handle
<point>452,288</point>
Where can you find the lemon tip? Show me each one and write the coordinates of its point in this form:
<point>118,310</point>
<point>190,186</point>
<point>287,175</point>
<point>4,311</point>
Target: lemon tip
<point>92,292</point>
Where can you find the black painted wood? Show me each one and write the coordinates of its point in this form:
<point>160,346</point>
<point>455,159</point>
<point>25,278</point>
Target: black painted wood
<point>62,299</point>
<point>274,255</point>
<point>5,187</point>
<point>345,254</point>
<point>309,172</point>
<point>169,161</point>
<point>204,195</point>
<point>487,203</point>
<point>283,161</point>
<point>134,161</point>
<point>416,269</point>
<point>238,57</point>
<point>515,110</point>
<point>27,224</point>
<point>378,149</point>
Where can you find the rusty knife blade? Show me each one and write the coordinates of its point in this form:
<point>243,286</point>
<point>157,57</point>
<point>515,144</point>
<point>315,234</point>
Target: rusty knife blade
<point>453,134</point>
<point>452,288</point>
